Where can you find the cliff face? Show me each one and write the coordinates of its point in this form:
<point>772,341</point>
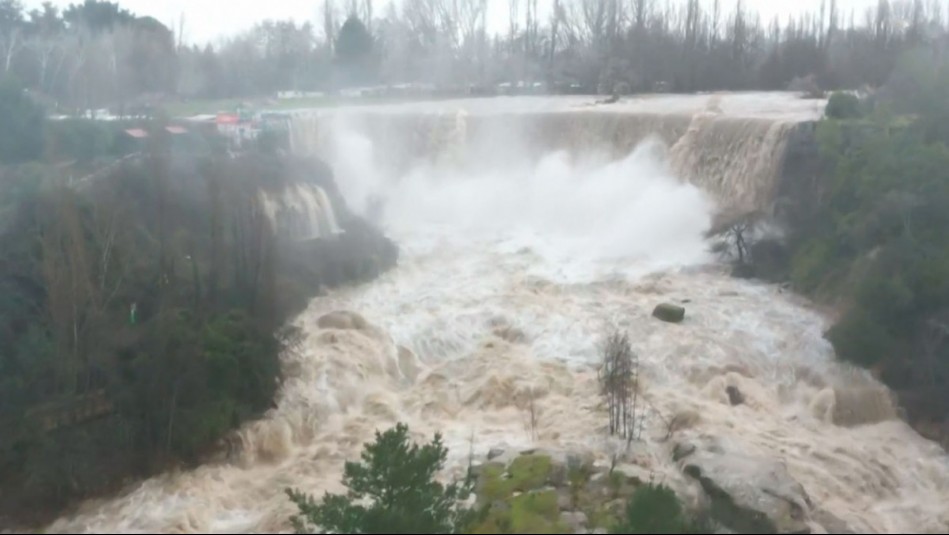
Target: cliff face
<point>356,251</point>
<point>800,177</point>
<point>284,209</point>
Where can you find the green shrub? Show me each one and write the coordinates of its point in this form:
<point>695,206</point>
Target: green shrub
<point>82,140</point>
<point>529,472</point>
<point>536,512</point>
<point>656,509</point>
<point>858,337</point>
<point>22,123</point>
<point>843,106</point>
<point>811,262</point>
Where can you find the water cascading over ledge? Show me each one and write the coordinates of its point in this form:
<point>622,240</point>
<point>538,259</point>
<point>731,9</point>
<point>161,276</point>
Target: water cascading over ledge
<point>733,147</point>
<point>300,211</point>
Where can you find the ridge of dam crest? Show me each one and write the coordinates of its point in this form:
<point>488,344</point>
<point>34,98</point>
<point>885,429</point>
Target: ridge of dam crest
<point>737,158</point>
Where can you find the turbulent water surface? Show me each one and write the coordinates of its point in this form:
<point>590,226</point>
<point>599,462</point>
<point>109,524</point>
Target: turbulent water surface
<point>510,275</point>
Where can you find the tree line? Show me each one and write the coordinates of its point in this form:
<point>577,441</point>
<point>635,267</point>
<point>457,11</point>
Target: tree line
<point>97,54</point>
<point>88,56</point>
<point>126,291</point>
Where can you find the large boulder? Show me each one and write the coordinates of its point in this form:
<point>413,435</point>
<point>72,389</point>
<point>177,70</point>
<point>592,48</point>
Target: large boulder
<point>669,313</point>
<point>748,493</point>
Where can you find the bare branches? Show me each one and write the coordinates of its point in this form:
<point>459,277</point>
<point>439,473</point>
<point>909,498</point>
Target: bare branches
<point>619,385</point>
<point>11,42</point>
<point>733,236</point>
<point>532,414</point>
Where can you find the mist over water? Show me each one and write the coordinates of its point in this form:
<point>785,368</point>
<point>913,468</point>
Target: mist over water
<point>512,270</point>
<point>570,210</point>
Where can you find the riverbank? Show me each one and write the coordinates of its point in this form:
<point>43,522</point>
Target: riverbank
<point>163,288</point>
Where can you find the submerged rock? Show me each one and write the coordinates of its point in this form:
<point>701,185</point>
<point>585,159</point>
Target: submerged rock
<point>735,397</point>
<point>510,334</point>
<point>831,522</point>
<point>682,450</point>
<point>749,494</point>
<point>409,363</point>
<point>669,313</point>
<point>342,320</point>
<point>495,453</point>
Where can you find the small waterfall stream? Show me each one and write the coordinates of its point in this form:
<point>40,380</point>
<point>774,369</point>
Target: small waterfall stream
<point>300,212</point>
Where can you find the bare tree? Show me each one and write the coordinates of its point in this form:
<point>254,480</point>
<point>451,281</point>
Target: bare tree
<point>733,236</point>
<point>180,32</point>
<point>83,275</point>
<point>530,28</point>
<point>330,25</point>
<point>11,41</point>
<point>619,385</point>
<point>532,414</point>
<point>367,14</point>
<point>46,50</point>
<point>641,13</point>
<point>471,19</point>
<point>555,19</point>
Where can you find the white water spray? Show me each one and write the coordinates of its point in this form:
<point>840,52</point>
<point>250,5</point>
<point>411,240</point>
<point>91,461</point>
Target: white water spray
<point>508,280</point>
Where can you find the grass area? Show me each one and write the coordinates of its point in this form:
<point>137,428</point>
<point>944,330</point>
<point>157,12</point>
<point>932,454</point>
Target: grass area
<point>200,107</point>
<point>603,517</point>
<point>532,512</point>
<point>529,496</point>
<point>529,511</point>
<point>527,472</point>
<point>518,498</point>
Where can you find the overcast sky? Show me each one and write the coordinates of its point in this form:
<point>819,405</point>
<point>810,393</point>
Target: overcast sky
<point>208,20</point>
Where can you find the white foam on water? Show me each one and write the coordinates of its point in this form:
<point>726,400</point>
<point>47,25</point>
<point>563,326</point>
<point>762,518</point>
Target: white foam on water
<point>508,280</point>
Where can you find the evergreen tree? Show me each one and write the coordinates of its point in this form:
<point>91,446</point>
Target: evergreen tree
<point>354,51</point>
<point>656,509</point>
<point>398,478</point>
<point>22,123</point>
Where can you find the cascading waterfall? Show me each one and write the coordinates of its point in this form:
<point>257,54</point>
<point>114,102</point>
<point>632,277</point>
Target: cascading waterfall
<point>300,211</point>
<point>517,254</point>
<point>735,157</point>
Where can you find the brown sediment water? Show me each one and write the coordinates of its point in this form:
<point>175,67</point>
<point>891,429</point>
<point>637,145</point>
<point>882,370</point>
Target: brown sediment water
<point>521,246</point>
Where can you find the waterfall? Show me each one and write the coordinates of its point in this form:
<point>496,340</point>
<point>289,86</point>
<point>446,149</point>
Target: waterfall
<point>300,212</point>
<point>539,232</point>
<point>732,147</point>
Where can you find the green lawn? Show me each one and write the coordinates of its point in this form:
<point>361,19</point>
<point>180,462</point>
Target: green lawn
<point>198,107</point>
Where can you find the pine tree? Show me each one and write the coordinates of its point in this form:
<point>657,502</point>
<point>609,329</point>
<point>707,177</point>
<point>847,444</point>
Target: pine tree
<point>398,479</point>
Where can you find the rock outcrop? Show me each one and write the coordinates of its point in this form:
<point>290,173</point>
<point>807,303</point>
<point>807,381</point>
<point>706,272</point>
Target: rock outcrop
<point>358,253</point>
<point>559,492</point>
<point>542,491</point>
<point>735,397</point>
<point>748,493</point>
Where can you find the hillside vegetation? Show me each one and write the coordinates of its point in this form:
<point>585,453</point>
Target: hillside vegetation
<point>395,489</point>
<point>869,235</point>
<point>142,312</point>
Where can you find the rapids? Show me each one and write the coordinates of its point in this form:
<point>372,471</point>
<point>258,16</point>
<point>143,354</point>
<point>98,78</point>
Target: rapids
<point>509,277</point>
